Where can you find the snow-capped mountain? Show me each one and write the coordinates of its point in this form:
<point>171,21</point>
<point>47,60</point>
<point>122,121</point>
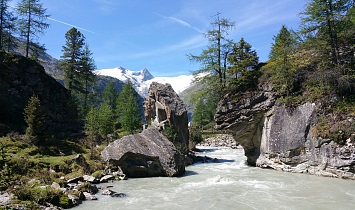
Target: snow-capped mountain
<point>141,80</point>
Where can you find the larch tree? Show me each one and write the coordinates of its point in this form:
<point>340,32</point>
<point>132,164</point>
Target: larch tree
<point>324,18</point>
<point>214,59</point>
<point>32,22</point>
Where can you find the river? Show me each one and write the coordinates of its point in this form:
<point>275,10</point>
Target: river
<point>229,184</point>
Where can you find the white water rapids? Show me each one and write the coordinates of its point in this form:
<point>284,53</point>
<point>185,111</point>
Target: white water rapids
<point>229,184</point>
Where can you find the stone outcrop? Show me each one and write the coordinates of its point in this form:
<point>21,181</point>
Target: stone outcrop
<point>245,117</point>
<point>147,154</point>
<point>164,107</point>
<point>279,137</point>
<point>221,140</point>
<point>20,78</point>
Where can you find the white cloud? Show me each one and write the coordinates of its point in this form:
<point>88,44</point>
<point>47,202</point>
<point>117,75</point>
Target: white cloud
<point>181,22</point>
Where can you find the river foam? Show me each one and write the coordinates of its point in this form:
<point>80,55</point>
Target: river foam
<point>229,184</point>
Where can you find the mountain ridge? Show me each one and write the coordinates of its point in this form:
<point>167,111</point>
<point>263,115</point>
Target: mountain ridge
<point>142,79</point>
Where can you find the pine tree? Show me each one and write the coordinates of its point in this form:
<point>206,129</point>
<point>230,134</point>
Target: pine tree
<point>86,74</point>
<point>198,118</point>
<point>32,21</point>
<point>72,58</point>
<point>35,120</point>
<point>110,95</point>
<point>281,62</point>
<point>105,119</point>
<point>128,109</point>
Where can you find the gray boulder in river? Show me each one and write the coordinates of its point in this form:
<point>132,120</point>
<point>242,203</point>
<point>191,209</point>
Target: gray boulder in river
<point>147,154</point>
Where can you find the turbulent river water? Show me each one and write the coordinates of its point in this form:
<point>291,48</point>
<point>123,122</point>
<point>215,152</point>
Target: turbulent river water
<point>229,184</point>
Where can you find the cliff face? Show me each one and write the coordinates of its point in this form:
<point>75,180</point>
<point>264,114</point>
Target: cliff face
<point>279,137</point>
<point>20,78</point>
<point>164,107</point>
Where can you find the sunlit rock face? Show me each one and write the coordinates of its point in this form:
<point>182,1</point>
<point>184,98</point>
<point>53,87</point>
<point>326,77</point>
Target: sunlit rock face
<point>280,137</point>
<point>165,108</point>
<point>147,154</point>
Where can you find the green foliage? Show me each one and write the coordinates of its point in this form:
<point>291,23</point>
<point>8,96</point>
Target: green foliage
<point>170,133</point>
<point>7,21</point>
<point>35,120</point>
<point>196,136</point>
<point>128,109</point>
<point>214,59</point>
<point>110,95</point>
<point>31,22</point>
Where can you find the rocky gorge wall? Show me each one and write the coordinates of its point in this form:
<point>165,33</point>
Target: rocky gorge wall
<point>279,137</point>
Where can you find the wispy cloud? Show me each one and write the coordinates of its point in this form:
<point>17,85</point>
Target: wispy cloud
<point>107,6</point>
<point>181,22</point>
<point>68,24</point>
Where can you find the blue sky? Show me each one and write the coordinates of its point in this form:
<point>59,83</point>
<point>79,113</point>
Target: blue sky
<point>158,34</point>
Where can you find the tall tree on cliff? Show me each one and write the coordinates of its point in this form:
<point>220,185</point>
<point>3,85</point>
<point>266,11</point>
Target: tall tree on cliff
<point>328,26</point>
<point>78,65</point>
<point>324,18</point>
<point>214,59</point>
<point>6,21</point>
<point>128,109</point>
<point>243,66</point>
<point>71,60</point>
<point>281,63</point>
<point>32,22</point>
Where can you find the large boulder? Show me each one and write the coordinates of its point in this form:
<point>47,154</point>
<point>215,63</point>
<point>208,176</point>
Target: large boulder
<point>164,107</point>
<point>147,154</point>
<point>283,138</point>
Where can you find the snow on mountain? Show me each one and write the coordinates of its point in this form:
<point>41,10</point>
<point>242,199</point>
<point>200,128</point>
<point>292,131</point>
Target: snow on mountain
<point>141,80</point>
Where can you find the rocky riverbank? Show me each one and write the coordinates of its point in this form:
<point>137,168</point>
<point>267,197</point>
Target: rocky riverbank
<point>220,140</point>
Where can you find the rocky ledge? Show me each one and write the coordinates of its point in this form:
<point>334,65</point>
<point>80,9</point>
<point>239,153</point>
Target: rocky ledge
<point>283,138</point>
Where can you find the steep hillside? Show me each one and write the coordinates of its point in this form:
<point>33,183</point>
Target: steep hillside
<point>20,78</point>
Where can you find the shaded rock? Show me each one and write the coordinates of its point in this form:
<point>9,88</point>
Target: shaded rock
<point>107,192</point>
<point>81,161</point>
<point>164,107</point>
<point>118,195</point>
<point>75,200</point>
<point>76,180</point>
<point>146,154</point>
<point>20,78</point>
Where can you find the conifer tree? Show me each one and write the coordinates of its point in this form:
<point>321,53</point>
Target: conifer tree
<point>6,22</point>
<point>324,18</point>
<point>214,59</point>
<point>32,21</point>
<point>35,120</point>
<point>87,74</point>
<point>72,58</point>
<point>128,109</point>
